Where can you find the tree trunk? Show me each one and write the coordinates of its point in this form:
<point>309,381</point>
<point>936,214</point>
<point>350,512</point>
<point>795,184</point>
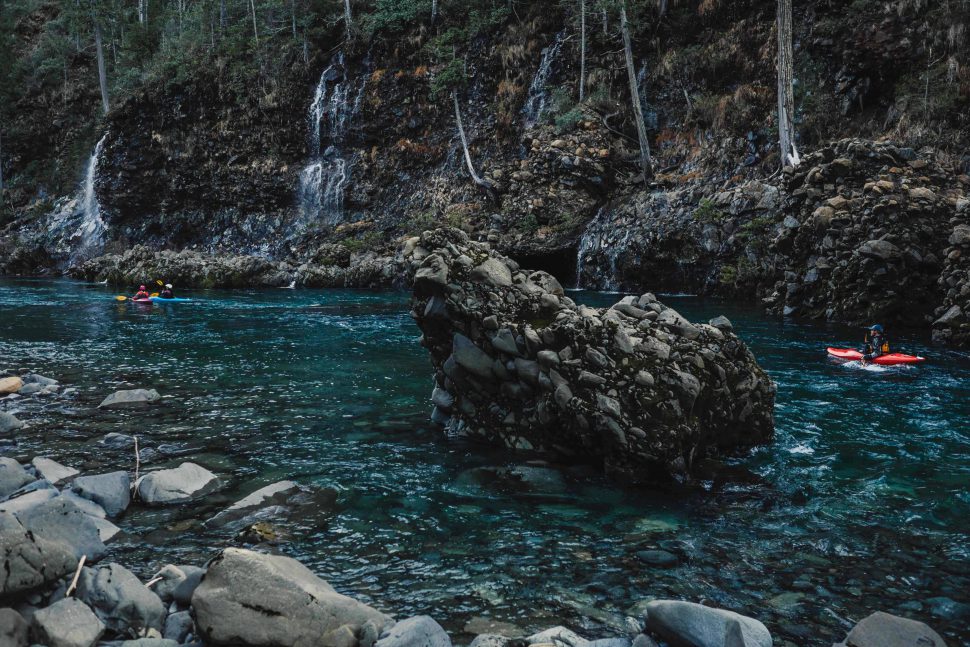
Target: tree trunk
<point>582,50</point>
<point>662,7</point>
<point>786,101</point>
<point>222,16</point>
<point>434,11</point>
<point>645,163</point>
<point>464,145</point>
<point>1,169</point>
<point>606,24</point>
<point>252,7</point>
<point>348,19</point>
<point>102,74</point>
<point>142,11</point>
<point>293,17</point>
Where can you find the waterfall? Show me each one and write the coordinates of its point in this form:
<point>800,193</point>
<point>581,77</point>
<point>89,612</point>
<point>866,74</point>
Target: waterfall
<point>535,103</point>
<point>89,236</point>
<point>324,179</point>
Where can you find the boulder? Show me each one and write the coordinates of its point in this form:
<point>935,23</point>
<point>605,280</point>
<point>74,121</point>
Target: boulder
<point>559,636</point>
<point>494,272</point>
<point>273,494</point>
<point>30,561</point>
<point>67,623</point>
<point>489,640</point>
<point>9,423</point>
<point>252,598</point>
<point>12,476</point>
<point>10,385</point>
<point>51,470</point>
<point>120,600</point>
<point>183,591</point>
<point>25,499</point>
<point>13,629</point>
<point>112,491</point>
<point>87,506</point>
<point>60,520</point>
<point>177,582</point>
<point>886,630</point>
<point>178,626</point>
<point>129,398</point>
<point>184,483</point>
<point>687,624</point>
<point>419,631</point>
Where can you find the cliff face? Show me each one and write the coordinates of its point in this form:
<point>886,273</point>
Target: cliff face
<point>354,144</point>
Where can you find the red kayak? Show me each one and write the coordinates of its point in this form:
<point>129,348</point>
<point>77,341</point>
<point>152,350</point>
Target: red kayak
<point>141,300</point>
<point>890,359</point>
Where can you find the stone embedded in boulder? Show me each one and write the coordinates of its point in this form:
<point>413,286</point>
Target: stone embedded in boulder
<point>419,631</point>
<point>30,560</point>
<point>112,491</point>
<point>67,623</point>
<point>637,389</point>
<point>129,398</point>
<point>184,483</point>
<point>13,629</point>
<point>256,599</point>
<point>688,624</point>
<point>12,476</point>
<point>120,600</point>
<point>886,630</point>
<point>58,519</point>
<point>52,470</point>
<point>9,423</point>
<point>10,385</point>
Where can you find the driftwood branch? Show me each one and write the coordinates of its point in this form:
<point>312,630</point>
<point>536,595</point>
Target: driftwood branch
<point>77,574</point>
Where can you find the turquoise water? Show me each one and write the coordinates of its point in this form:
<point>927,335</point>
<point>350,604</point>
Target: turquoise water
<point>861,504</point>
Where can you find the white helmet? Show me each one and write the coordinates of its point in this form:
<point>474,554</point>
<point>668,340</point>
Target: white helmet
<point>168,285</point>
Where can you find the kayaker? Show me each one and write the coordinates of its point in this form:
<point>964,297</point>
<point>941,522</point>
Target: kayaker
<point>876,343</point>
<point>141,294</point>
<point>167,292</point>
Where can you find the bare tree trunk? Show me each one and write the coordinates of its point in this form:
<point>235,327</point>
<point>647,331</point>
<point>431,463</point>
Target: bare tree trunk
<point>786,101</point>
<point>142,11</point>
<point>102,74</point>
<point>662,7</point>
<point>606,24</point>
<point>646,165</point>
<point>434,11</point>
<point>582,50</point>
<point>1,169</point>
<point>252,6</point>
<point>293,16</point>
<point>222,16</point>
<point>348,19</point>
<point>464,145</point>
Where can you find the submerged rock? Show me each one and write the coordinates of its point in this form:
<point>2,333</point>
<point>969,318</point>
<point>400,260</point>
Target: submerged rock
<point>637,388</point>
<point>129,398</point>
<point>252,598</point>
<point>686,624</point>
<point>886,630</point>
<point>67,623</point>
<point>184,483</point>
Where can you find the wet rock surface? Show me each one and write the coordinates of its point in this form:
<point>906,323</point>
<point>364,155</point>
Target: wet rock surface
<point>636,389</point>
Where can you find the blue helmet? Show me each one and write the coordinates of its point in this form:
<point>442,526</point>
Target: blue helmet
<point>876,328</point>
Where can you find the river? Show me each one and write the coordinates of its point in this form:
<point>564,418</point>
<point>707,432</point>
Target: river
<point>862,503</point>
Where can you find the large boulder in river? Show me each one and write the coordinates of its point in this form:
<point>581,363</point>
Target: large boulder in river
<point>120,600</point>
<point>255,599</point>
<point>184,483</point>
<point>30,560</point>
<point>636,388</point>
<point>67,623</point>
<point>687,624</point>
<point>112,491</point>
<point>59,519</point>
<point>129,398</point>
<point>886,630</point>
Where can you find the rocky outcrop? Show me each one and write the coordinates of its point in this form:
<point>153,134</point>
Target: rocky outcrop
<point>635,388</point>
<point>952,324</point>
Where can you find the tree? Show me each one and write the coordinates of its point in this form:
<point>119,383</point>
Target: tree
<point>582,50</point>
<point>348,19</point>
<point>252,6</point>
<point>485,184</point>
<point>646,165</point>
<point>434,11</point>
<point>786,101</point>
<point>102,73</point>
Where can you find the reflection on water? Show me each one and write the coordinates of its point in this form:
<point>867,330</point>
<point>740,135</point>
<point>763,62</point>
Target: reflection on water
<point>861,503</point>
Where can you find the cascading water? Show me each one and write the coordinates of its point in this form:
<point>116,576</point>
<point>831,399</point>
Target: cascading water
<point>535,103</point>
<point>89,237</point>
<point>323,180</point>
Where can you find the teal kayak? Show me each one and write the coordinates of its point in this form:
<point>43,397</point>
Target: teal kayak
<point>172,300</point>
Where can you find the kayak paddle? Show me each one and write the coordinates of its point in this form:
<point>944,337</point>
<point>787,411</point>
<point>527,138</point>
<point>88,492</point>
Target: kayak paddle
<point>121,298</point>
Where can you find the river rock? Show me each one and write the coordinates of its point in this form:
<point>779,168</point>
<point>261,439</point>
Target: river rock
<point>10,385</point>
<point>112,491</point>
<point>9,423</point>
<point>886,630</point>
<point>25,499</point>
<point>274,494</point>
<point>182,593</point>
<point>151,642</point>
<point>120,600</point>
<point>659,558</point>
<point>67,623</point>
<point>687,624</point>
<point>30,560</point>
<point>419,631</point>
<point>489,640</point>
<point>178,626</point>
<point>13,629</point>
<point>52,470</point>
<point>173,583</point>
<point>129,398</point>
<point>700,390</point>
<point>12,476</point>
<point>87,506</point>
<point>252,598</point>
<point>558,636</point>
<point>60,520</point>
<point>184,483</point>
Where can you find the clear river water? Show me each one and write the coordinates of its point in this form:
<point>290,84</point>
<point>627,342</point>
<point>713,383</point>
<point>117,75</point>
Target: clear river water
<point>862,503</point>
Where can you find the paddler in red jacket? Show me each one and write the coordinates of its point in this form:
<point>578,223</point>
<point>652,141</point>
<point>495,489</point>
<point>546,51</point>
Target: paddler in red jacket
<point>141,294</point>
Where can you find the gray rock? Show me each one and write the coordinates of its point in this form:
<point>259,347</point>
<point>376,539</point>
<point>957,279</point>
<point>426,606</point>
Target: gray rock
<point>274,494</point>
<point>489,640</point>
<point>129,398</point>
<point>559,636</point>
<point>178,626</point>
<point>87,506</point>
<point>118,441</point>
<point>106,530</point>
<point>419,631</point>
<point>67,623</point>
<point>657,558</point>
<point>30,560</point>
<point>12,476</point>
<point>9,423</point>
<point>471,357</point>
<point>433,271</point>
<point>52,470</point>
<point>122,602</point>
<point>886,630</point>
<point>184,483</point>
<point>494,272</point>
<point>34,378</point>
<point>610,642</point>
<point>252,598</point>
<point>722,323</point>
<point>170,577</point>
<point>693,625</point>
<point>60,520</point>
<point>643,640</point>
<point>24,499</point>
<point>881,249</point>
<point>112,491</point>
<point>149,642</point>
<point>182,593</point>
<point>13,629</point>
